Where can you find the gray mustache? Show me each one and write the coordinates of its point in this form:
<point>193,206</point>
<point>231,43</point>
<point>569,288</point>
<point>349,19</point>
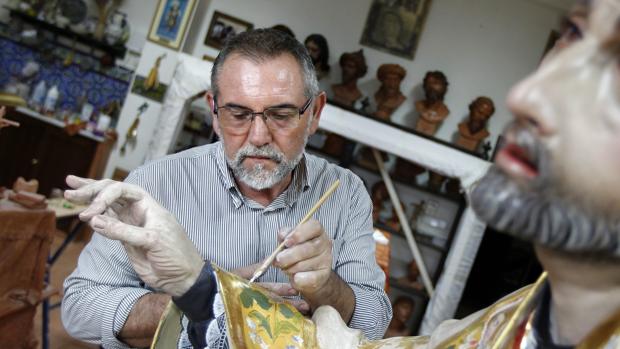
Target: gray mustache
<point>265,151</point>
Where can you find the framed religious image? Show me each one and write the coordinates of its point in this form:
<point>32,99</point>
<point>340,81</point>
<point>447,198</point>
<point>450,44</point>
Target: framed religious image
<point>395,26</point>
<point>222,27</point>
<point>170,22</point>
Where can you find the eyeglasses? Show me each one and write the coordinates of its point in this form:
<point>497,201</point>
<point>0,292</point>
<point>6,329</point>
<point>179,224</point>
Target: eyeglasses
<point>239,120</point>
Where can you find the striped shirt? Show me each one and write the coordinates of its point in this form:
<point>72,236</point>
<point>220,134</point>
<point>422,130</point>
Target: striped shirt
<point>198,188</point>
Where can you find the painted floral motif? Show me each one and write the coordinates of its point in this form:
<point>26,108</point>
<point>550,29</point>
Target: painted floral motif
<point>255,320</point>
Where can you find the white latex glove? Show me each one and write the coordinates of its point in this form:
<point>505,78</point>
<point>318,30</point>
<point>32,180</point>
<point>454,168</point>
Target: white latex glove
<point>158,247</point>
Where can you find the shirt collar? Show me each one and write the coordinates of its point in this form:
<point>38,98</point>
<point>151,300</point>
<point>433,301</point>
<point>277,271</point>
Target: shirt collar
<point>299,182</point>
<point>226,176</point>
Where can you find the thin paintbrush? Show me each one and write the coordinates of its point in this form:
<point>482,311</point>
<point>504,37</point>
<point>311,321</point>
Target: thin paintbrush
<point>316,206</point>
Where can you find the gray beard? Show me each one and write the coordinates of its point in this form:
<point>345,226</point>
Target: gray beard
<point>540,211</point>
<point>258,177</point>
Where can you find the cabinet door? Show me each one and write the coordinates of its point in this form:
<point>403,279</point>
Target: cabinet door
<point>62,155</point>
<point>19,148</point>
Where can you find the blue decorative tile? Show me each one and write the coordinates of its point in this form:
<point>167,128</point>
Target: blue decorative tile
<point>72,81</point>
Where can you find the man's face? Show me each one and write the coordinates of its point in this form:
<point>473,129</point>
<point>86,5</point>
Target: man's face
<point>314,51</point>
<point>480,113</point>
<point>264,156</point>
<point>349,70</point>
<point>434,89</point>
<point>403,310</point>
<point>556,181</point>
<point>391,82</point>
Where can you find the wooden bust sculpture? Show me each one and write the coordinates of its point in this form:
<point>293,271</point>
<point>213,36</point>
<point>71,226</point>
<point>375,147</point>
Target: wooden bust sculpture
<point>354,67</point>
<point>403,308</point>
<point>316,44</point>
<point>411,279</point>
<point>389,97</point>
<point>472,132</point>
<point>432,111</point>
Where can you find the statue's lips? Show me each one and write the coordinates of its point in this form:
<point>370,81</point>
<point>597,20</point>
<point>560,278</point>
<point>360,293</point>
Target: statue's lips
<point>515,161</point>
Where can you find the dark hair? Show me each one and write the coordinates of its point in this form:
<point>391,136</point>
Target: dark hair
<point>437,75</point>
<point>482,99</point>
<point>358,58</point>
<point>321,42</point>
<point>284,29</point>
<point>261,44</point>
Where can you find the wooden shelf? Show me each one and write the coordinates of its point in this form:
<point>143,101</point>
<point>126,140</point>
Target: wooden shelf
<point>113,50</point>
<point>404,128</point>
<point>420,239</point>
<point>410,290</point>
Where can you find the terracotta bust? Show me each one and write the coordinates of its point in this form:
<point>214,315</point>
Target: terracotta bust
<point>411,279</point>
<point>403,308</point>
<point>472,132</point>
<point>378,195</point>
<point>389,97</point>
<point>283,28</point>
<point>316,44</point>
<point>354,67</point>
<point>432,111</point>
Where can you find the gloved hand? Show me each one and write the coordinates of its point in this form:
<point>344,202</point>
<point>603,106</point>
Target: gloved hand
<point>161,253</point>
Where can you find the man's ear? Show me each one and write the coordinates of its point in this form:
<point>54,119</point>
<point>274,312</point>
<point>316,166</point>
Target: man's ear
<point>211,103</point>
<point>317,107</point>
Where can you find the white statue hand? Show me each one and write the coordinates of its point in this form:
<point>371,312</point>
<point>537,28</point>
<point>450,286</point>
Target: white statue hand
<point>158,247</point>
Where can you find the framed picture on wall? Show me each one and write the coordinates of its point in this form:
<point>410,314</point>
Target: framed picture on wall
<point>395,26</point>
<point>170,22</point>
<point>223,27</point>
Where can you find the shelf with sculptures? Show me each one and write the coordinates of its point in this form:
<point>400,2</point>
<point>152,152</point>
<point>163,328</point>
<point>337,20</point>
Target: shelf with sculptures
<point>433,215</point>
<point>62,30</point>
<point>470,136</point>
<point>108,31</point>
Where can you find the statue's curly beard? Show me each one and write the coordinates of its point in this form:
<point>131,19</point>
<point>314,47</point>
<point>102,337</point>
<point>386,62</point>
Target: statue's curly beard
<point>541,210</point>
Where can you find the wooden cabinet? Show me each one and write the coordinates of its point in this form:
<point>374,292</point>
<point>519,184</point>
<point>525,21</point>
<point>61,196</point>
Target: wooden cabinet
<point>41,149</point>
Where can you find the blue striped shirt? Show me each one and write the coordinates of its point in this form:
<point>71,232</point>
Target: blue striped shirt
<point>198,188</point>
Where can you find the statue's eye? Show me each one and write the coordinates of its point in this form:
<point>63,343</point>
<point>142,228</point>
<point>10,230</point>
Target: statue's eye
<point>570,30</point>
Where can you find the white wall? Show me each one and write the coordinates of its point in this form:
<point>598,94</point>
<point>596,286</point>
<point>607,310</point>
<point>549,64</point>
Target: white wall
<point>135,156</point>
<point>483,46</point>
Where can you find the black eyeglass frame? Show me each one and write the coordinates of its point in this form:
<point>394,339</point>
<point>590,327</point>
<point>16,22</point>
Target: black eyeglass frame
<point>301,110</point>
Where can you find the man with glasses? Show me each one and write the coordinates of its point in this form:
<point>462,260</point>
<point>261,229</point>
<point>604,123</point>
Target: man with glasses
<point>235,200</point>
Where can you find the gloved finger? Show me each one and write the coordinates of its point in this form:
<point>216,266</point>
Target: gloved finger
<point>114,192</point>
<point>116,230</point>
<point>310,230</point>
<point>303,251</point>
<point>246,272</point>
<point>85,193</point>
<point>280,288</point>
